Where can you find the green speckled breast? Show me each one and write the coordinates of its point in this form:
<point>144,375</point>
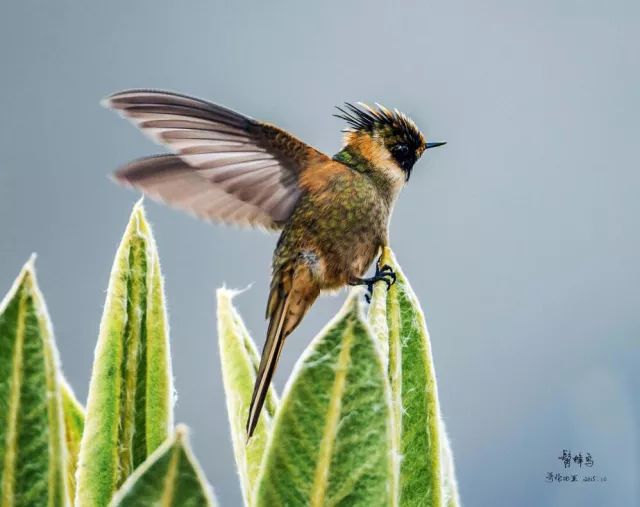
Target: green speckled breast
<point>345,225</point>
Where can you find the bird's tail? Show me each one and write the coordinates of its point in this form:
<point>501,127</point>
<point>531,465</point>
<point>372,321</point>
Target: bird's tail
<point>288,302</point>
<point>270,355</point>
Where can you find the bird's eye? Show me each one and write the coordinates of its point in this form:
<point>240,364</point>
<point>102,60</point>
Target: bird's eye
<point>405,157</point>
<point>400,150</point>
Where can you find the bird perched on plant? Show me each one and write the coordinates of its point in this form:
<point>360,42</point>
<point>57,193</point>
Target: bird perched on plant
<point>333,211</point>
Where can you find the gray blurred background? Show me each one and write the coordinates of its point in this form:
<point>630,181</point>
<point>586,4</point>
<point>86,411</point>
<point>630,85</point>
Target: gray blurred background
<point>520,236</point>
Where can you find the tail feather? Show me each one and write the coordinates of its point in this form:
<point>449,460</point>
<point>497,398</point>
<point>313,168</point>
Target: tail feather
<point>268,362</point>
<point>293,291</point>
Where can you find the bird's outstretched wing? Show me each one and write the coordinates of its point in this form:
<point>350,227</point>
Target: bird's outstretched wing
<point>227,167</point>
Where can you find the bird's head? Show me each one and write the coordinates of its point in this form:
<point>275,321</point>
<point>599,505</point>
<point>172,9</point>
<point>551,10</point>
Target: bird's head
<point>385,138</point>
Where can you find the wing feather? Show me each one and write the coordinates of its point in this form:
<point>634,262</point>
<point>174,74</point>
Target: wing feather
<point>168,179</point>
<point>227,166</point>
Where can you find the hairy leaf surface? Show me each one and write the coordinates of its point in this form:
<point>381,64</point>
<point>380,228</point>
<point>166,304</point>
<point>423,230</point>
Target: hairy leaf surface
<point>331,440</point>
<point>129,407</point>
<point>170,477</point>
<point>240,360</point>
<point>32,466</point>
<point>417,440</point>
<point>451,497</point>
<point>73,413</point>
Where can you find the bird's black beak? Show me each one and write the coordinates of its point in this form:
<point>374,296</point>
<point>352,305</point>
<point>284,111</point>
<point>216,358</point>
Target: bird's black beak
<point>434,145</point>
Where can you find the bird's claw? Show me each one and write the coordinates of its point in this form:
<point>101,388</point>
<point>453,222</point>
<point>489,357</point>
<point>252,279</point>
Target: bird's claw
<point>387,274</point>
<point>383,274</point>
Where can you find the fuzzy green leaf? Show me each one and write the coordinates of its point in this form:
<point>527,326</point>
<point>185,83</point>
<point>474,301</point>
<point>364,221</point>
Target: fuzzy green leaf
<point>73,413</point>
<point>377,317</point>
<point>451,497</point>
<point>331,440</point>
<point>32,467</point>
<point>240,360</point>
<point>130,403</point>
<point>170,477</point>
<point>416,423</point>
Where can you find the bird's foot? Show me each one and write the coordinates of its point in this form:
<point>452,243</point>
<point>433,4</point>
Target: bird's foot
<point>383,274</point>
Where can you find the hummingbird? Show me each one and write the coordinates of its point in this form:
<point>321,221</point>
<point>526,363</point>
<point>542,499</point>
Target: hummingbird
<point>333,212</point>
